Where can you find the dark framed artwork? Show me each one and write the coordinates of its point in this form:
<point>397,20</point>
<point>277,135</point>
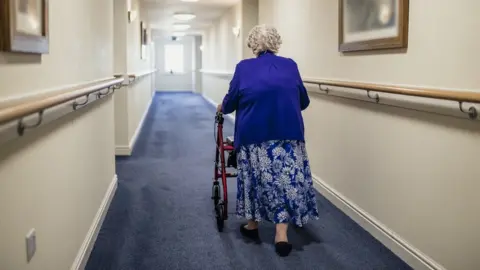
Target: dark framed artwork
<point>143,32</point>
<point>145,37</point>
<point>24,26</point>
<point>142,27</point>
<point>366,25</point>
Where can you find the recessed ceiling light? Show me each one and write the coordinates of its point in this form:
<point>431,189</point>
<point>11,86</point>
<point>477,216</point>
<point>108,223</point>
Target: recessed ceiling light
<point>178,34</point>
<point>184,16</point>
<point>179,26</point>
<point>189,0</point>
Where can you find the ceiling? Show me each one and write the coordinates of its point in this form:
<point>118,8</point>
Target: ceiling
<point>160,13</point>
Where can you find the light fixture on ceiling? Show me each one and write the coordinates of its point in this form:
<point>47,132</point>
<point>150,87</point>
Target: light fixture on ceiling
<point>184,16</point>
<point>189,0</point>
<point>181,27</point>
<point>178,34</point>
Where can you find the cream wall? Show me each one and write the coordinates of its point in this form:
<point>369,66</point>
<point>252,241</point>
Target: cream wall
<point>55,178</point>
<point>412,173</point>
<point>249,18</point>
<point>132,102</point>
<point>197,63</point>
<point>139,93</point>
<point>153,64</point>
<point>139,99</point>
<point>221,52</point>
<point>120,66</point>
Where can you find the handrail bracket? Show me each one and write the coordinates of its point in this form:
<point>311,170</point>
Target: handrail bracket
<point>100,94</point>
<point>76,104</point>
<point>326,90</point>
<point>376,97</point>
<point>472,111</point>
<point>117,86</point>
<point>21,127</point>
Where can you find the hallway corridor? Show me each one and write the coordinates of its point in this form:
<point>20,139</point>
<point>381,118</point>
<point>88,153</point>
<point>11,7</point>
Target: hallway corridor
<point>162,217</point>
<point>107,126</point>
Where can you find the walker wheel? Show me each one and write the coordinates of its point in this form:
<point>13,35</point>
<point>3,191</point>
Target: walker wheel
<point>219,216</point>
<point>215,194</point>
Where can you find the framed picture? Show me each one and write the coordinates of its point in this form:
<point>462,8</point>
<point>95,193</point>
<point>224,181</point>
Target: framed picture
<point>24,26</point>
<point>145,37</point>
<point>143,32</point>
<point>366,25</point>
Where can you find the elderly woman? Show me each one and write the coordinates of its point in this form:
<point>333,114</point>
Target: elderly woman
<point>274,179</point>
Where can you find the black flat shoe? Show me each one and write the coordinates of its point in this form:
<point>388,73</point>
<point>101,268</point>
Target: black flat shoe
<point>252,234</point>
<point>283,248</point>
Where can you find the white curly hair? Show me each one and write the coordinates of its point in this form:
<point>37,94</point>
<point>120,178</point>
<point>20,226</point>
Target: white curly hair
<point>264,38</point>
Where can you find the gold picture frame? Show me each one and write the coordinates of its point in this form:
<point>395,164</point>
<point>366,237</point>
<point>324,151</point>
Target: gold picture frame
<point>24,26</point>
<point>366,25</point>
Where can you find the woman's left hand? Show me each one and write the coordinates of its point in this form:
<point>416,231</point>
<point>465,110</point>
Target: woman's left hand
<point>219,108</point>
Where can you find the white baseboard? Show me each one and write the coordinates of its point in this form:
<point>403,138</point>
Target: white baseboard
<point>214,104</point>
<point>134,138</point>
<point>123,150</point>
<point>87,245</point>
<point>412,256</point>
<point>126,150</point>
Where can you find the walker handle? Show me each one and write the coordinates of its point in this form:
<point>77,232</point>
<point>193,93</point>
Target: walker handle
<point>219,118</point>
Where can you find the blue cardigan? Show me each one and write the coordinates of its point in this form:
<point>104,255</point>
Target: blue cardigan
<point>268,96</point>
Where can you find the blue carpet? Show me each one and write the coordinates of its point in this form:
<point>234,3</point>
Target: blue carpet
<point>162,216</point>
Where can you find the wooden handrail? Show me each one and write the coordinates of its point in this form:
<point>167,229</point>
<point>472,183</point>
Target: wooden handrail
<point>217,72</point>
<point>460,96</point>
<point>144,73</point>
<point>21,110</point>
<point>133,77</point>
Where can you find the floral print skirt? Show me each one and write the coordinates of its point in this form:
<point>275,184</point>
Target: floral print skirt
<point>275,183</point>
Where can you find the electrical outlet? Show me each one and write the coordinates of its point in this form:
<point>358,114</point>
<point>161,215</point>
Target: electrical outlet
<point>31,244</point>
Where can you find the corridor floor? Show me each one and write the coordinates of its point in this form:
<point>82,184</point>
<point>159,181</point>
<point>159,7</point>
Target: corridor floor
<point>162,216</point>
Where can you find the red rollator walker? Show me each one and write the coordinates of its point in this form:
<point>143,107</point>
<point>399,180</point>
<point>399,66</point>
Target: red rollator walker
<point>219,189</point>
